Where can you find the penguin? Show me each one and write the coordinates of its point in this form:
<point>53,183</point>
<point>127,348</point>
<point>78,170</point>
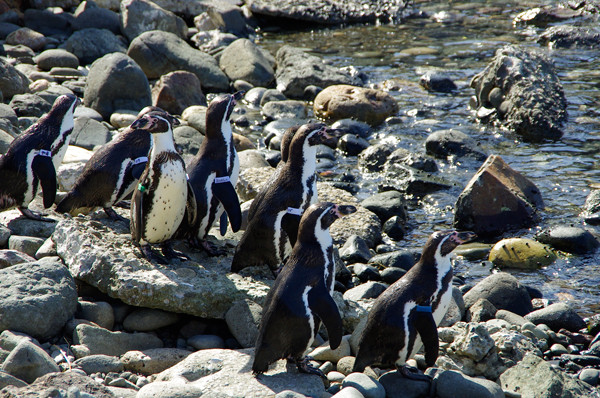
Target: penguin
<point>213,173</point>
<point>112,172</point>
<point>33,157</point>
<point>405,316</point>
<point>301,297</point>
<point>163,196</point>
<point>272,231</point>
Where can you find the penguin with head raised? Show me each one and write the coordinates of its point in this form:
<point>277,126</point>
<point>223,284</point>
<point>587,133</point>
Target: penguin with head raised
<point>300,298</point>
<point>113,171</point>
<point>405,316</point>
<point>213,173</point>
<point>33,157</point>
<point>163,197</point>
<point>272,230</point>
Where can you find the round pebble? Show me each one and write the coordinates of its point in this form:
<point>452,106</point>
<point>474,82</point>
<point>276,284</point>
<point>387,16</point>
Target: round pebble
<point>206,341</point>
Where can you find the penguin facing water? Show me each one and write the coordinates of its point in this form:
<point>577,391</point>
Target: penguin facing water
<point>405,316</point>
<point>33,157</point>
<point>272,230</point>
<point>113,171</point>
<point>300,298</point>
<point>163,196</point>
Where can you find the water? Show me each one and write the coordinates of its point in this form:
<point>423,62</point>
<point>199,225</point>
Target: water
<point>562,170</point>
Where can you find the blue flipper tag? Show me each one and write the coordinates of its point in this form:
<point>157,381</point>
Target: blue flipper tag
<point>43,152</point>
<point>139,160</point>
<point>424,308</point>
<point>222,180</point>
<point>295,211</point>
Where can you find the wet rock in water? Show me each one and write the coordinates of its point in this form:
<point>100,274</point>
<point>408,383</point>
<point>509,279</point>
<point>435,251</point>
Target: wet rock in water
<point>28,361</point>
<point>497,199</point>
<point>386,205</point>
<point>411,181</point>
<point>226,372</point>
<point>541,16</point>
<point>89,15</point>
<point>57,384</point>
<point>99,363</point>
<point>567,36</point>
<point>244,60</point>
<point>91,44</point>
<point>159,53</point>
<point>540,379</point>
<point>37,298</point>
<point>176,91</point>
<point>374,157</point>
<point>520,89</point>
<point>444,143</point>
<point>116,82</point>
<point>272,94</point>
<point>437,81</point>
<point>297,69</point>
<point>557,316</point>
<point>352,145</point>
<point>591,208</point>
<point>569,239</point>
<point>96,340</point>
<point>351,126</point>
<point>413,160</point>
<point>365,104</point>
<point>152,361</point>
<point>288,109</point>
<point>243,321</point>
<point>139,16</point>
<point>521,253</point>
<point>451,384</point>
<point>504,291</point>
<point>395,228</point>
<point>404,259</point>
<point>355,250</point>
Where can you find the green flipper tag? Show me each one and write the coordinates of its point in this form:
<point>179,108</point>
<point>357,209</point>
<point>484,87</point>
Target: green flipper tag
<point>141,188</point>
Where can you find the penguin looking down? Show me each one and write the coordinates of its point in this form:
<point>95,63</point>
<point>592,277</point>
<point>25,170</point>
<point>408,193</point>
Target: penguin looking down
<point>273,227</point>
<point>300,298</point>
<point>34,156</point>
<point>113,171</point>
<point>163,196</point>
<point>213,173</point>
<point>405,316</point>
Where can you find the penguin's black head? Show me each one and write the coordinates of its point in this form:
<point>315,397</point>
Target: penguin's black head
<point>152,122</point>
<point>222,106</point>
<point>161,112</point>
<point>317,219</point>
<point>447,241</point>
<point>63,104</point>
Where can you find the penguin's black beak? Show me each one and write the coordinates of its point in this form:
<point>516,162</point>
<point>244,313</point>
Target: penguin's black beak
<point>464,237</point>
<point>330,137</point>
<point>238,95</point>
<point>174,121</point>
<point>139,123</point>
<point>344,210</point>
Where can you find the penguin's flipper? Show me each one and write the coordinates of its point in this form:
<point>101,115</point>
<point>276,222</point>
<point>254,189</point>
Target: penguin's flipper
<point>191,207</point>
<point>44,170</point>
<point>137,169</point>
<point>223,224</point>
<point>427,329</point>
<point>290,224</point>
<point>322,304</point>
<point>226,194</point>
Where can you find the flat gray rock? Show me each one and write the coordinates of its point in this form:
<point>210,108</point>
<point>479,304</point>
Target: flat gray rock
<point>101,341</point>
<point>139,16</point>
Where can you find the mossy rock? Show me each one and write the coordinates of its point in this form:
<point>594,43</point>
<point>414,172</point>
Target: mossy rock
<point>521,253</point>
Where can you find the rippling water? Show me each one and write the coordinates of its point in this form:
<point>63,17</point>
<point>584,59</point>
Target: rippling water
<point>462,47</point>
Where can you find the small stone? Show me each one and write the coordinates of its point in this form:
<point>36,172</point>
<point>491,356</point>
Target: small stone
<point>590,376</point>
<point>451,384</point>
<point>569,239</point>
<point>25,244</point>
<point>325,353</point>
<point>146,319</point>
<point>481,311</point>
<point>398,386</point>
<point>243,320</point>
<point>511,317</point>
<point>368,387</point>
<point>345,365</point>
<point>28,361</point>
<point>352,145</point>
<point>206,341</point>
<point>392,274</point>
<point>101,313</point>
<point>10,257</point>
<point>558,349</point>
<point>100,364</point>
<point>394,228</point>
<point>97,340</point>
<point>366,272</point>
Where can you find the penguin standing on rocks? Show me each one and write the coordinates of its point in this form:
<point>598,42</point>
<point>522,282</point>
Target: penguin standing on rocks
<point>405,316</point>
<point>300,298</point>
<point>213,173</point>
<point>33,157</point>
<point>113,171</point>
<point>273,228</point>
<point>163,196</point>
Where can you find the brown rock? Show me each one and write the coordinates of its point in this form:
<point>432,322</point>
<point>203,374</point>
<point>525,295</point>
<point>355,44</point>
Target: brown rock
<point>176,91</point>
<point>345,101</point>
<point>497,199</point>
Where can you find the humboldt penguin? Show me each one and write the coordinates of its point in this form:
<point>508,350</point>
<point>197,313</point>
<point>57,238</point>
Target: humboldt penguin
<point>163,196</point>
<point>405,316</point>
<point>113,171</point>
<point>213,173</point>
<point>300,298</point>
<point>33,157</point>
<point>272,231</point>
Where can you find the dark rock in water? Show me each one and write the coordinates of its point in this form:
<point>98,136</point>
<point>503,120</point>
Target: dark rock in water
<point>567,36</point>
<point>411,181</point>
<point>244,60</point>
<point>541,16</point>
<point>139,16</point>
<point>254,96</point>
<point>437,81</point>
<point>504,291</point>
<point>351,126</point>
<point>12,81</point>
<point>176,91</point>
<point>366,272</point>
<point>47,22</point>
<point>29,105</point>
<point>375,156</point>
<point>520,90</point>
<point>355,250</point>
<point>414,160</point>
<point>90,44</point>
<point>352,144</point>
<point>328,12</point>
<point>272,94</point>
<point>116,82</point>
<point>557,316</point>
<point>395,228</point>
<point>391,274</point>
<point>89,15</point>
<point>366,290</point>
<point>386,205</point>
<point>310,92</point>
<point>297,69</point>
<point>581,360</point>
<point>444,143</point>
<point>398,386</point>
<point>404,259</point>
<point>569,239</point>
<point>497,199</point>
<point>159,53</point>
<point>591,208</point>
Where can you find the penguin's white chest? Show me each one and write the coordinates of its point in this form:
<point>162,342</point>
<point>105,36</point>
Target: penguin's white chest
<point>168,203</point>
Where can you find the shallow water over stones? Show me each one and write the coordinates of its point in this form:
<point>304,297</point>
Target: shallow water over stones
<point>394,57</point>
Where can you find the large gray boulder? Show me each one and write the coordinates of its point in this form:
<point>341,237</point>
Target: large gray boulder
<point>92,43</point>
<point>244,60</point>
<point>520,89</point>
<point>159,53</point>
<point>139,16</point>
<point>504,291</point>
<point>11,80</point>
<point>89,15</point>
<point>116,82</point>
<point>297,69</point>
<point>37,298</point>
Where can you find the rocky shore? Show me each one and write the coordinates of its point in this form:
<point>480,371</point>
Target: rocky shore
<point>83,314</point>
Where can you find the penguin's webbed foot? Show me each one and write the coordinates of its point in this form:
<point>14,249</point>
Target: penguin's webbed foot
<point>113,215</point>
<point>203,244</point>
<point>412,373</point>
<point>151,255</point>
<point>304,366</point>
<point>34,215</point>
<point>171,253</point>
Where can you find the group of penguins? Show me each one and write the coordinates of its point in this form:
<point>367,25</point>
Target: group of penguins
<point>286,226</point>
